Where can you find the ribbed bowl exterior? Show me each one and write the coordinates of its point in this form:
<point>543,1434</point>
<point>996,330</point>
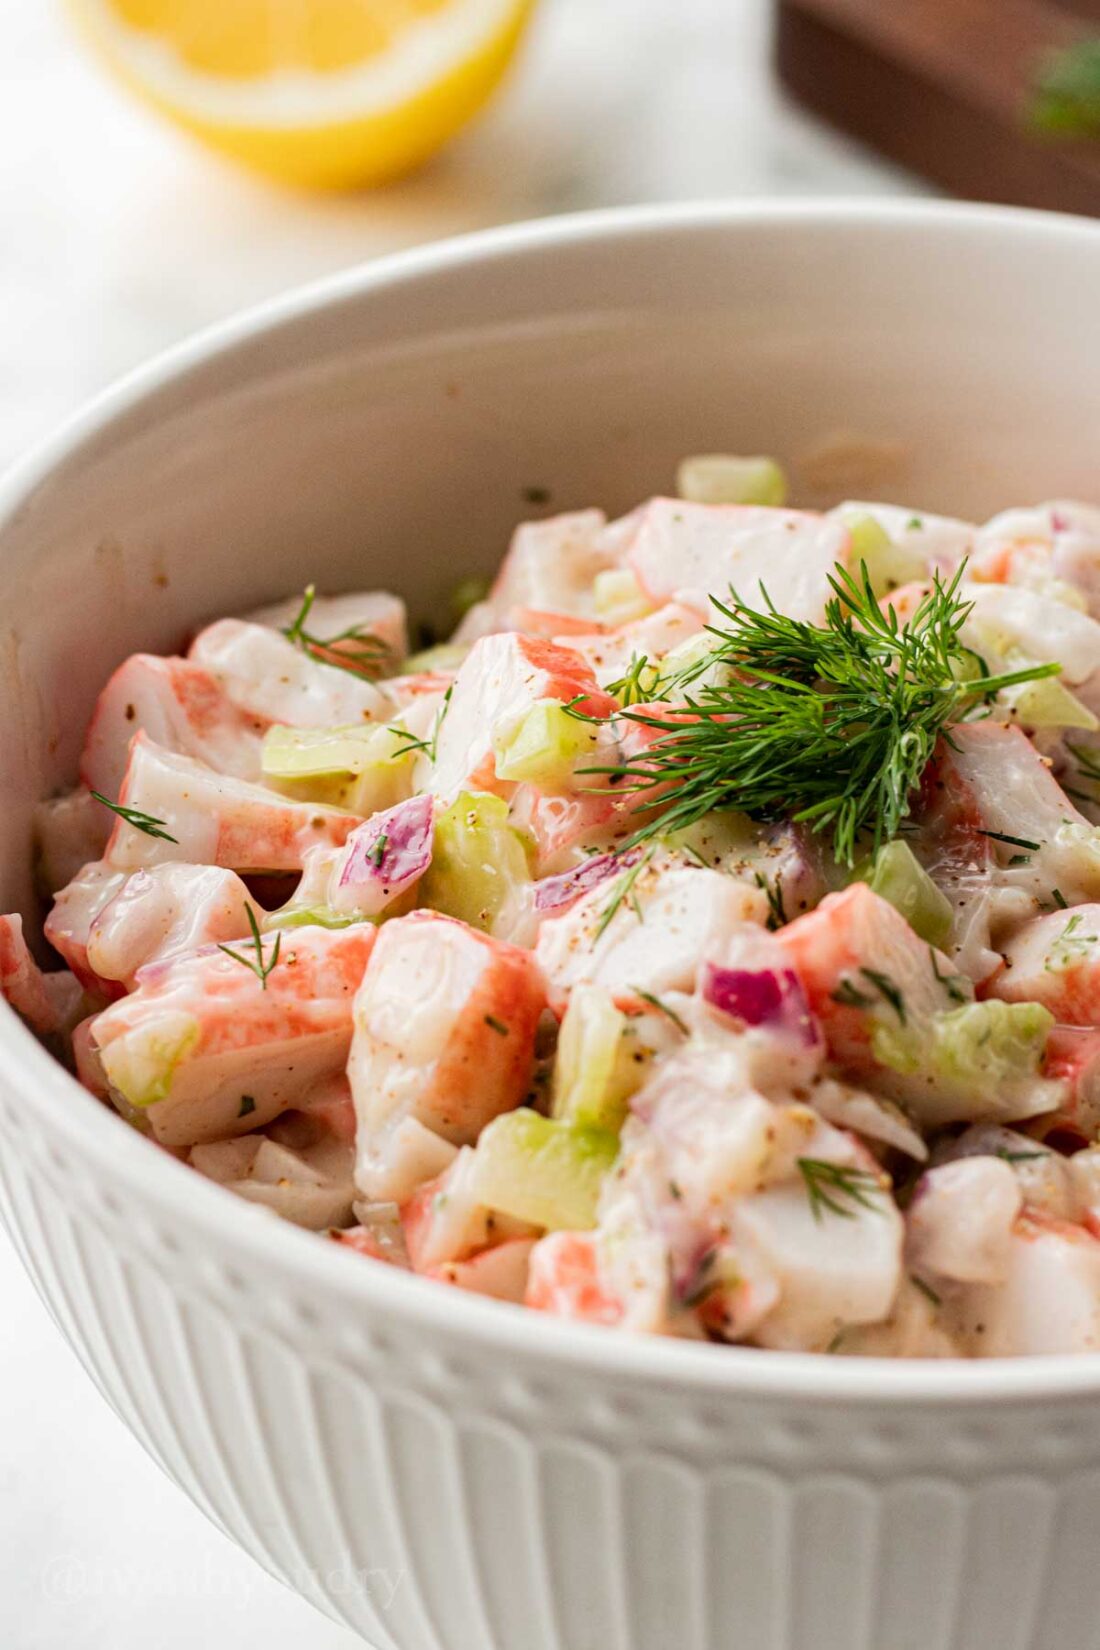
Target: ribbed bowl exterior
<point>433,1499</point>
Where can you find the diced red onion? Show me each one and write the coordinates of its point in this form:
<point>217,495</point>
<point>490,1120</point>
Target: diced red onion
<point>553,893</point>
<point>386,854</point>
<point>762,997</point>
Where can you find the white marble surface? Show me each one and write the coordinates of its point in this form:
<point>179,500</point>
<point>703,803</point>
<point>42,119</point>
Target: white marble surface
<point>117,238</point>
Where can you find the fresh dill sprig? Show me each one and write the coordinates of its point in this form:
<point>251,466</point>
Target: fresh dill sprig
<point>429,745</point>
<point>261,967</point>
<point>369,652</point>
<point>640,681</point>
<point>149,823</point>
<point>827,1183</point>
<point>621,889</point>
<point>831,724</point>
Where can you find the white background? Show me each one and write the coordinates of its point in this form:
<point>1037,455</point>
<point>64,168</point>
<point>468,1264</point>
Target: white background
<point>117,238</point>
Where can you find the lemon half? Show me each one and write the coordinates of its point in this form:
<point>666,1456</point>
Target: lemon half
<point>330,94</point>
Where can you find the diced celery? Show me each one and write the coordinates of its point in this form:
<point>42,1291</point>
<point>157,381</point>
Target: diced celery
<point>1047,704</point>
<point>619,597</point>
<point>543,1170</point>
<point>308,916</point>
<point>717,836</point>
<point>595,1072</point>
<point>545,747</point>
<point>364,767</point>
<point>478,861</point>
<point>318,753</point>
<point>897,875</point>
<point>1078,848</point>
<point>142,1063</point>
<point>693,664</point>
<point>889,565</point>
<point>1043,704</point>
<point>987,1049</point>
<point>445,656</point>
<point>721,478</point>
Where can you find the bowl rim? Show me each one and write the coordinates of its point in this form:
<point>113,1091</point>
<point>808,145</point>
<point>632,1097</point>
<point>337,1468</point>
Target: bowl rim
<point>124,1159</point>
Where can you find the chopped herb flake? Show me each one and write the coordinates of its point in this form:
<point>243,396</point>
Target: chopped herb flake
<point>149,823</point>
<point>259,966</point>
<point>889,990</point>
<point>1013,841</point>
<point>662,1008</point>
<point>828,1183</point>
<point>850,997</point>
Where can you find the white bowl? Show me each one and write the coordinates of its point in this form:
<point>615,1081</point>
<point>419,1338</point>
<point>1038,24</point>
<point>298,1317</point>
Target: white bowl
<point>440,1472</point>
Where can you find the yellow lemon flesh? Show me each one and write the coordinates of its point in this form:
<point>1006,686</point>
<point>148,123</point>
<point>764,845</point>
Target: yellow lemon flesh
<point>332,94</point>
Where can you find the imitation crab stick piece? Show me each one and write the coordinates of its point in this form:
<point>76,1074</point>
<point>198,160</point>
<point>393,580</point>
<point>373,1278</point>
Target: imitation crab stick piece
<point>691,552</point>
<point>1059,541</point>
<point>444,1041</point>
<point>499,682</point>
<point>558,824</point>
<point>1055,960</point>
<point>211,1045</point>
<point>645,925</point>
<point>1015,622</point>
<point>182,708</point>
<point>266,675</point>
<point>610,652</point>
<point>164,911</point>
<point>564,1279</point>
<point>109,923</point>
<point>74,912</point>
<point>959,1223</point>
<point>208,818</point>
<point>71,831</point>
<point>372,616</point>
<point>46,1001</point>
<point>1048,1299</point>
<point>897,1016</point>
<point>500,1272</point>
<point>551,565</point>
<point>1021,812</point>
<point>1073,1058</point>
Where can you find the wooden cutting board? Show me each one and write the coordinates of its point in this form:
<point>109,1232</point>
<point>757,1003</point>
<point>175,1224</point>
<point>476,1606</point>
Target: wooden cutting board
<point>943,87</point>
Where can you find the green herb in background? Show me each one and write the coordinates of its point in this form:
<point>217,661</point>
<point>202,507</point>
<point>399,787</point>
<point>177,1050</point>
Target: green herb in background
<point>1066,98</point>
